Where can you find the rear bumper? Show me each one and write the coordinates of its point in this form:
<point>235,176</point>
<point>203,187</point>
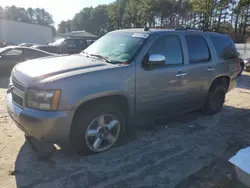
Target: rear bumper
<point>52,127</point>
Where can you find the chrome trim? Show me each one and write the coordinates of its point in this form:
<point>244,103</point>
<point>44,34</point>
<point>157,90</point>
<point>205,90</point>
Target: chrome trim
<point>18,104</point>
<point>19,89</point>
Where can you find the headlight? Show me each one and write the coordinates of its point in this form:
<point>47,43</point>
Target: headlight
<point>43,99</point>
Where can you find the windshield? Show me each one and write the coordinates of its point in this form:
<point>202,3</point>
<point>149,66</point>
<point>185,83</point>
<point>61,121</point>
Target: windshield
<point>116,47</point>
<point>58,42</point>
<point>3,49</point>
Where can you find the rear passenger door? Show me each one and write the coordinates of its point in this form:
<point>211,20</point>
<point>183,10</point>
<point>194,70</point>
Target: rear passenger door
<point>70,46</point>
<point>201,68</point>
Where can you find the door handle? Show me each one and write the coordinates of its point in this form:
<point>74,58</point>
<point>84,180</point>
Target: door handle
<point>210,69</point>
<point>180,74</point>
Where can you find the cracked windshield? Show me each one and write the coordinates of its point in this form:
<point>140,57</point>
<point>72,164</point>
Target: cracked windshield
<point>125,93</point>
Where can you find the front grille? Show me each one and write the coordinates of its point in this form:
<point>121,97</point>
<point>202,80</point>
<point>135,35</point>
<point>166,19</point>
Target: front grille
<point>17,99</point>
<point>18,93</point>
<point>18,85</point>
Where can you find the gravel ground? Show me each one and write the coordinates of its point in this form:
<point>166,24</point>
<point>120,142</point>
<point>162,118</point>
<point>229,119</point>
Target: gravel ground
<point>191,151</point>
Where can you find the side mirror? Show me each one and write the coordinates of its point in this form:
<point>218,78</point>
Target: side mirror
<point>156,60</point>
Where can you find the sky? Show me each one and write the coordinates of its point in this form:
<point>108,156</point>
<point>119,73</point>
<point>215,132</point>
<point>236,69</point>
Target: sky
<point>60,9</point>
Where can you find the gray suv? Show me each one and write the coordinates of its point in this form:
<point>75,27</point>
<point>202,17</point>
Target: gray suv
<point>88,99</point>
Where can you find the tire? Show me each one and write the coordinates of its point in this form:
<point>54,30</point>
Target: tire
<point>241,69</point>
<point>87,117</point>
<point>215,99</point>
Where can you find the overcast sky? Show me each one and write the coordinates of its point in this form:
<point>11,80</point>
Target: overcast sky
<point>60,10</point>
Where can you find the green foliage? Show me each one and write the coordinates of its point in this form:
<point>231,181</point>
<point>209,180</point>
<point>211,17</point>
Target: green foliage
<point>231,16</point>
<point>35,16</point>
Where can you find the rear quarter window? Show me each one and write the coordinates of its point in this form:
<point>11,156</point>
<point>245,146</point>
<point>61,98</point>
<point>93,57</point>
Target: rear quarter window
<point>224,46</point>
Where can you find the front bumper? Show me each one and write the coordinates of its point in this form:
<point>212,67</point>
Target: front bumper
<point>50,126</point>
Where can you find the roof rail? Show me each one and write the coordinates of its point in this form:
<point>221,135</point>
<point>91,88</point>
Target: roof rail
<point>194,29</point>
<point>188,29</point>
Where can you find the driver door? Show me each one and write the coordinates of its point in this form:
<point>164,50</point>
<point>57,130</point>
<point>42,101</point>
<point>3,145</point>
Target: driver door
<point>163,89</point>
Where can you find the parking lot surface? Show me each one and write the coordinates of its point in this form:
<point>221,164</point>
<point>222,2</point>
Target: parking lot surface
<point>188,151</point>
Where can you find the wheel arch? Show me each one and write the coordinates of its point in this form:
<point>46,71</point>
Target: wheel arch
<point>222,79</point>
<point>117,98</point>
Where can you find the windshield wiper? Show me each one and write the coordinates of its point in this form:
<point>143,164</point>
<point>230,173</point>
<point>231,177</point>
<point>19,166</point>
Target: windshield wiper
<point>101,57</point>
<point>98,56</point>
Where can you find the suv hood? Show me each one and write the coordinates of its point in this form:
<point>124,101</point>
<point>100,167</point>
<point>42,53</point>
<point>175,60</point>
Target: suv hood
<point>47,67</point>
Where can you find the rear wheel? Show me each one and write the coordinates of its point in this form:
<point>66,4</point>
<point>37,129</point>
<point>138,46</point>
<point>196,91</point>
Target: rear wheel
<point>215,99</point>
<point>97,128</point>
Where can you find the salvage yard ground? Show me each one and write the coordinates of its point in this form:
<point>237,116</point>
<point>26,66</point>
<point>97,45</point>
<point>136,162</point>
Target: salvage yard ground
<point>191,151</point>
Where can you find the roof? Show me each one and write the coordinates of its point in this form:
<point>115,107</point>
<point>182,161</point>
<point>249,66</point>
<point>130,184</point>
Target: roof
<point>78,34</point>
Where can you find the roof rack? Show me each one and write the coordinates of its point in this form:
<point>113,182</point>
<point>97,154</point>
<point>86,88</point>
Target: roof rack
<point>188,29</point>
<point>194,29</point>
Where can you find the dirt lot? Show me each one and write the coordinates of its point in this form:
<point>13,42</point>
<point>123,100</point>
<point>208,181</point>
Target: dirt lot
<point>191,151</point>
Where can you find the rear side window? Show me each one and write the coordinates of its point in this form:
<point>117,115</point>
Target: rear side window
<point>197,49</point>
<point>170,47</point>
<point>82,44</point>
<point>224,47</point>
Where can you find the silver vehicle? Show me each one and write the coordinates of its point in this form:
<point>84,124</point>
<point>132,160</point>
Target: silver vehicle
<point>88,99</point>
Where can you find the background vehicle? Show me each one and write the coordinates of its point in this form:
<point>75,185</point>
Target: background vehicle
<point>27,44</point>
<point>10,56</point>
<point>69,45</point>
<point>247,64</point>
<point>89,98</point>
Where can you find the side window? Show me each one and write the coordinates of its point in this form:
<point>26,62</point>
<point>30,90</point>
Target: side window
<point>76,43</point>
<point>71,44</point>
<point>170,47</point>
<point>224,47</point>
<point>82,44</point>
<point>13,52</point>
<point>33,54</point>
<point>197,49</point>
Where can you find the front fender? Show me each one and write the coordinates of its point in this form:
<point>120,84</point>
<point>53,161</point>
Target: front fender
<point>100,95</point>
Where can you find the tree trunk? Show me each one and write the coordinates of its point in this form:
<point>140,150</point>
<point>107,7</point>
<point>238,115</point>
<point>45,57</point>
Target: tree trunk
<point>245,23</point>
<point>240,28</point>
<point>236,23</point>
<point>194,21</point>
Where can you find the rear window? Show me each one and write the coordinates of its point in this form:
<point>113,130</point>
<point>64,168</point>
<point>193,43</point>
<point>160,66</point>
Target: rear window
<point>224,47</point>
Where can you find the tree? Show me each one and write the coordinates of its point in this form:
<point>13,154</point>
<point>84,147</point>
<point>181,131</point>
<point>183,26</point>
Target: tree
<point>1,12</point>
<point>231,16</point>
<point>36,16</point>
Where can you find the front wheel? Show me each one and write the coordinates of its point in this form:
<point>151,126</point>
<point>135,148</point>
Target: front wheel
<point>96,129</point>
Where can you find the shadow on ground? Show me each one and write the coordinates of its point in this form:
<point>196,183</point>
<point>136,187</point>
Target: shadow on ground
<point>4,82</point>
<point>191,151</point>
<point>244,81</point>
